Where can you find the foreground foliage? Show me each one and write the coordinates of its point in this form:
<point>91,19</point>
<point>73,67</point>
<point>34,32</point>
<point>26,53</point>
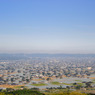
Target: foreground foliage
<point>34,92</point>
<point>22,92</point>
<point>66,93</point>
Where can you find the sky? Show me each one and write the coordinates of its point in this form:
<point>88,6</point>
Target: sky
<point>47,26</point>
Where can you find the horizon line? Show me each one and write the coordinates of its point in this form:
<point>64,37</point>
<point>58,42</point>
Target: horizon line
<point>54,53</point>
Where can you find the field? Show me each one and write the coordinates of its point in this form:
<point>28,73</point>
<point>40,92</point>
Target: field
<point>39,84</point>
<point>58,83</point>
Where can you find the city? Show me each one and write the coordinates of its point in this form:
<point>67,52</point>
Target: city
<point>45,71</point>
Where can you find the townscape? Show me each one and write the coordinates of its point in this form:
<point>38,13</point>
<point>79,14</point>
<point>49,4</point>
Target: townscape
<point>45,71</point>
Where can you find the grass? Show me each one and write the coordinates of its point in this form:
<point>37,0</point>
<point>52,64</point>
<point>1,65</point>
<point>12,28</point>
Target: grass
<point>79,80</point>
<point>66,83</point>
<point>39,84</point>
<point>80,84</point>
<point>58,83</point>
<point>18,87</point>
<point>93,79</point>
<point>55,83</point>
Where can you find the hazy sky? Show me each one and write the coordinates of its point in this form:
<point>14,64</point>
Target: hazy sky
<point>47,26</point>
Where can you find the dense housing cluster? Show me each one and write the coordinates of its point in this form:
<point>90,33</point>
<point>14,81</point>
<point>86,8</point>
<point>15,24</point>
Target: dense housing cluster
<point>26,69</point>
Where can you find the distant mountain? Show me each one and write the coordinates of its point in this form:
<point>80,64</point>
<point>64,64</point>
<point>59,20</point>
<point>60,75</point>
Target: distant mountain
<point>25,56</point>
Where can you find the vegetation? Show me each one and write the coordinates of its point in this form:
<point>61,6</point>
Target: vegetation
<point>67,93</point>
<point>58,83</point>
<point>55,83</point>
<point>22,92</point>
<point>19,87</point>
<point>39,84</point>
<point>37,92</point>
<point>78,80</point>
<point>66,83</point>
